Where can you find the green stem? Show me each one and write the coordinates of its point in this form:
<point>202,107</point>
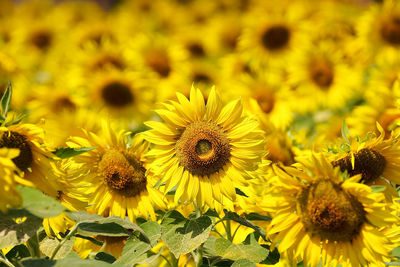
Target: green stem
<point>70,234</point>
<point>165,258</point>
<point>199,256</point>
<point>234,233</point>
<point>6,261</point>
<point>173,260</point>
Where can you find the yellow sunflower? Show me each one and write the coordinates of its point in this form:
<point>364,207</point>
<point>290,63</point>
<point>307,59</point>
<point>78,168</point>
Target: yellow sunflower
<point>204,150</point>
<point>9,196</point>
<point>271,32</point>
<point>34,159</point>
<point>321,78</point>
<point>373,158</point>
<point>320,218</point>
<point>119,182</point>
<point>379,28</point>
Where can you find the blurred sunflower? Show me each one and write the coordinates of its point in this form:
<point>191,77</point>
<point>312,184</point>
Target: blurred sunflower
<point>271,31</point>
<point>320,218</point>
<point>379,28</point>
<point>204,150</point>
<point>321,78</point>
<point>119,182</point>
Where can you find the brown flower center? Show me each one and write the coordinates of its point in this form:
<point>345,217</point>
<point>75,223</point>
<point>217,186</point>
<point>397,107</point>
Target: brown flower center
<point>203,148</point>
<point>275,37</point>
<point>200,77</point>
<point>117,94</point>
<point>322,73</point>
<point>390,30</point>
<point>330,212</point>
<point>63,103</point>
<point>367,162</point>
<point>196,49</point>
<point>158,60</point>
<point>15,140</point>
<point>123,173</point>
<point>42,39</point>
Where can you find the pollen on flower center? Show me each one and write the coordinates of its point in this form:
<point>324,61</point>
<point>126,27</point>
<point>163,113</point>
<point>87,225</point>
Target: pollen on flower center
<point>117,94</point>
<point>321,72</point>
<point>390,30</point>
<point>330,212</point>
<point>275,37</point>
<point>203,148</point>
<point>369,163</point>
<point>123,173</point>
<point>15,140</point>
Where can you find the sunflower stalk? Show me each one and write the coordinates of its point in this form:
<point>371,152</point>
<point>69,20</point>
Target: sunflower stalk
<point>3,259</point>
<point>65,239</point>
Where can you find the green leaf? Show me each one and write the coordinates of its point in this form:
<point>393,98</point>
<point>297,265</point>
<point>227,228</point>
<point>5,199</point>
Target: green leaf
<point>345,132</point>
<point>378,188</point>
<point>183,235</point>
<point>48,245</point>
<point>104,229</point>
<point>68,152</point>
<point>103,256</point>
<point>39,204</point>
<point>92,224</point>
<point>152,230</point>
<point>77,262</point>
<point>273,256</point>
<point>243,221</point>
<point>249,249</point>
<point>396,252</point>
<point>132,252</point>
<point>244,263</point>
<point>12,233</point>
<point>257,217</point>
<point>209,247</point>
<point>5,101</point>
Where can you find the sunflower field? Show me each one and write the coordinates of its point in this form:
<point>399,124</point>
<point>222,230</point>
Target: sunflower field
<point>199,133</point>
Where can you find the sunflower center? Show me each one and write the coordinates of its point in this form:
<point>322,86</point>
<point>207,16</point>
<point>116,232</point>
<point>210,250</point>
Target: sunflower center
<point>63,103</point>
<point>200,77</point>
<point>390,31</point>
<point>117,94</point>
<point>203,148</point>
<point>159,62</point>
<point>41,39</point>
<point>15,140</point>
<point>123,173</point>
<point>196,50</point>
<point>321,73</point>
<point>330,212</point>
<point>275,37</point>
<point>369,163</point>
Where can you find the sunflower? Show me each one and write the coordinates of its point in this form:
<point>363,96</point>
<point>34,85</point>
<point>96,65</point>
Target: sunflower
<point>379,28</point>
<point>117,177</point>
<point>204,150</point>
<point>373,158</point>
<point>319,217</point>
<point>321,77</point>
<point>271,32</point>
<point>9,196</point>
<point>34,159</point>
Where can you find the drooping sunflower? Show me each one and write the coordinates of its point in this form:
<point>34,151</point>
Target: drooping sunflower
<point>204,150</point>
<point>119,183</point>
<point>320,218</point>
<point>34,159</point>
<point>374,158</point>
<point>9,195</point>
